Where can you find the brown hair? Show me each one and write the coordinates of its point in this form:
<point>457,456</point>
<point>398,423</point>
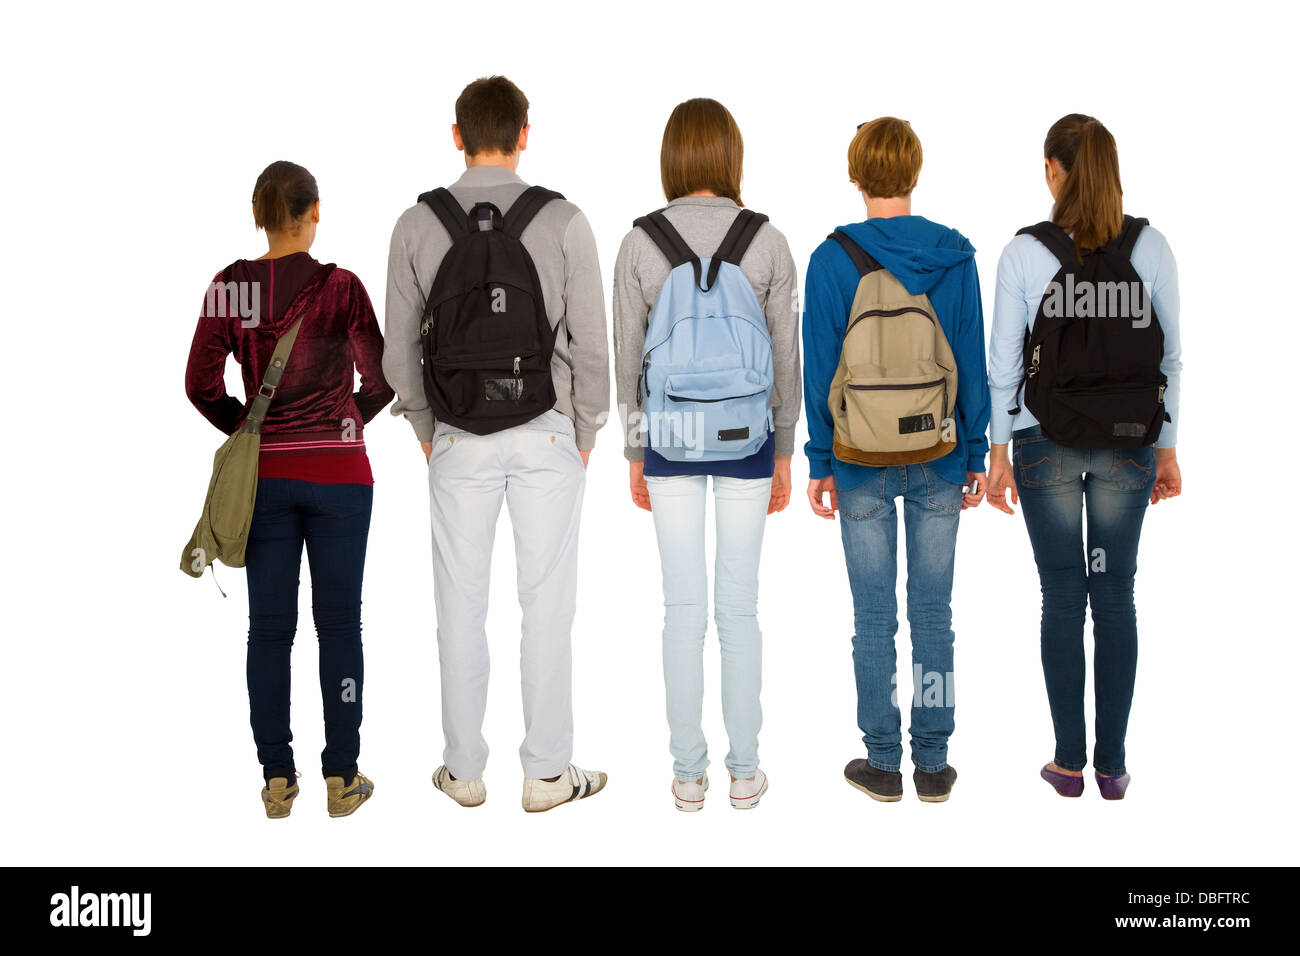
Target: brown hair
<point>885,158</point>
<point>1090,205</point>
<point>702,149</point>
<point>282,195</point>
<point>491,113</point>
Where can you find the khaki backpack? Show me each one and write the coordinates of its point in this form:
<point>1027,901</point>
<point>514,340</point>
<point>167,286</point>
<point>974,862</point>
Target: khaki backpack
<point>894,391</point>
<point>222,531</point>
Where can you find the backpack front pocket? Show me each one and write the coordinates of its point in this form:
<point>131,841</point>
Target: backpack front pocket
<point>894,415</point>
<point>717,411</point>
<point>1128,416</point>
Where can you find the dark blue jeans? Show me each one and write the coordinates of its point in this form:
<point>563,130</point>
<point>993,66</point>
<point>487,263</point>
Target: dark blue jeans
<point>1055,483</point>
<point>333,521</point>
<point>869,529</point>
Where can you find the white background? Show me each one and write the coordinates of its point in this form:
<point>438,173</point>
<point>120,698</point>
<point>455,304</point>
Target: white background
<point>133,137</point>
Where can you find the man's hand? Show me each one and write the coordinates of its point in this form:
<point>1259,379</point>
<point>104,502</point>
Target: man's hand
<point>780,486</point>
<point>585,456</point>
<point>1001,479</point>
<point>636,479</point>
<point>427,448</point>
<point>816,490</point>
<point>980,479</point>
<point>1169,479</point>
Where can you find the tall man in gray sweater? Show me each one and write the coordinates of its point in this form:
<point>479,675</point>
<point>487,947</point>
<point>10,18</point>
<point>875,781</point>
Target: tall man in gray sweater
<point>538,468</point>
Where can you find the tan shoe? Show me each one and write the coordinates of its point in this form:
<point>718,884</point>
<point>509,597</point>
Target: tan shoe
<point>574,784</point>
<point>277,796</point>
<point>342,801</point>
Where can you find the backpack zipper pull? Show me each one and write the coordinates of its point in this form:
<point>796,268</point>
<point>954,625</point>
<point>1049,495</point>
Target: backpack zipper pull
<point>1160,396</point>
<point>641,382</point>
<point>1033,362</point>
<point>517,358</point>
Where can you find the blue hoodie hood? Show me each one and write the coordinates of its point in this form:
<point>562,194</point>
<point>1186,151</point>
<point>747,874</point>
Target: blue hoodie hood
<point>917,251</point>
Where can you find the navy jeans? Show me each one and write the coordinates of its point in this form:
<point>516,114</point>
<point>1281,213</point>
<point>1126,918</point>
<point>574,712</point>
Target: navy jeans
<point>869,528</point>
<point>1054,484</point>
<point>333,521</point>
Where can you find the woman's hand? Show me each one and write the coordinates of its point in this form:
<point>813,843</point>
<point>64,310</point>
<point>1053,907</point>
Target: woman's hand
<point>636,479</point>
<point>1002,479</point>
<point>1169,480</point>
<point>780,486</point>
<point>818,488</point>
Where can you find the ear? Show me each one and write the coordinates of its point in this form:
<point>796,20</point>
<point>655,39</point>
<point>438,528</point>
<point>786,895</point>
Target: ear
<point>455,137</point>
<point>523,139</point>
<point>315,212</point>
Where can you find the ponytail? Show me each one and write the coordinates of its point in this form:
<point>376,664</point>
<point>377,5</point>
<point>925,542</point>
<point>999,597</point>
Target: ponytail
<point>1090,204</point>
<point>282,195</point>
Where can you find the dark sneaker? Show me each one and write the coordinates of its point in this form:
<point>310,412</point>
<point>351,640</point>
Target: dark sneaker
<point>934,787</point>
<point>883,785</point>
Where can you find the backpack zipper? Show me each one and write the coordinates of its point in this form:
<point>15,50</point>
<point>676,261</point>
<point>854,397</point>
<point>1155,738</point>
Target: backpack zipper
<point>887,312</point>
<point>641,381</point>
<point>1160,395</point>
<point>889,388</point>
<point>517,360</point>
<point>1033,362</point>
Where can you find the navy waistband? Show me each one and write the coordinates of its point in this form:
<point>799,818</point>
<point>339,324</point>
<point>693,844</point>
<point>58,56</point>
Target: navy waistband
<point>1033,431</point>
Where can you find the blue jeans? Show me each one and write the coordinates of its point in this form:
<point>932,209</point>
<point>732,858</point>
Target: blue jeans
<point>1054,484</point>
<point>678,504</point>
<point>869,527</point>
<point>334,522</point>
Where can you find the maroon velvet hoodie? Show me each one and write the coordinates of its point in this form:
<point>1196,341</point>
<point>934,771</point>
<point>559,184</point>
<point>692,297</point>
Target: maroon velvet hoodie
<point>313,430</point>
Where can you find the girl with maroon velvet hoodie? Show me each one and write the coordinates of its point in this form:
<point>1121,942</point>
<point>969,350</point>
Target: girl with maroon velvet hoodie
<point>314,480</point>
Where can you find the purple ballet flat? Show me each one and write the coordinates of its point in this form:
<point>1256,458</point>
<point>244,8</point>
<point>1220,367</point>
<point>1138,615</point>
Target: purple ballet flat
<point>1112,788</point>
<point>1063,783</point>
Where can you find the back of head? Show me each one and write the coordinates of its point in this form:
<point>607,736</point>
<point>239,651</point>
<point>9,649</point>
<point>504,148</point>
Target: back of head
<point>1090,203</point>
<point>491,113</point>
<point>702,151</point>
<point>885,158</point>
<point>282,195</point>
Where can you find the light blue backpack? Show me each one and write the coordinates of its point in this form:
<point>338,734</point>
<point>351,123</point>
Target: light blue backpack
<point>706,369</point>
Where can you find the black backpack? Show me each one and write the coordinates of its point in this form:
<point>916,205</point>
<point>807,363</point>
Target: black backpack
<point>1092,360</point>
<point>487,341</point>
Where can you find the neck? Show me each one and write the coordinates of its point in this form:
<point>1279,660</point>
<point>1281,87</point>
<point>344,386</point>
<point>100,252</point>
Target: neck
<point>702,192</point>
<point>893,206</point>
<point>280,244</point>
<point>510,162</point>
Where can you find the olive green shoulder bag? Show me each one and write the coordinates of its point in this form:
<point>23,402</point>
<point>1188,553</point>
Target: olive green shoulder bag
<point>222,531</point>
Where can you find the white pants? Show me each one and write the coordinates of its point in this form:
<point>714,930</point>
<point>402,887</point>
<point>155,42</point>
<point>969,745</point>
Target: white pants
<point>536,469</point>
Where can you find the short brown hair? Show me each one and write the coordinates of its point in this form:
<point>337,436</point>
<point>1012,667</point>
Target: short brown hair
<point>491,113</point>
<point>282,195</point>
<point>885,158</point>
<point>702,149</point>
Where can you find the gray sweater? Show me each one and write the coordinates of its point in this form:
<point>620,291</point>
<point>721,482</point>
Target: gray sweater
<point>641,271</point>
<point>562,248</point>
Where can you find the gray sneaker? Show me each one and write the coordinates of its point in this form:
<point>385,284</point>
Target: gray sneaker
<point>883,785</point>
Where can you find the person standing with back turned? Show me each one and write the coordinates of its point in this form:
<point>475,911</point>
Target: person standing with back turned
<point>496,346</point>
<point>897,406</point>
<point>1089,402</point>
<point>706,335</point>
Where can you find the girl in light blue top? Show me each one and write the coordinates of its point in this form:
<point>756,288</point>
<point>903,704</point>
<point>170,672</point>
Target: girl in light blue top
<point>1057,483</point>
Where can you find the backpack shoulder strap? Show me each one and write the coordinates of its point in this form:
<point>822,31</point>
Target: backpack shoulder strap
<point>1056,239</point>
<point>280,357</point>
<point>735,243</point>
<point>527,206</point>
<point>448,211</point>
<point>862,260</point>
<point>1128,236</point>
<point>669,240</point>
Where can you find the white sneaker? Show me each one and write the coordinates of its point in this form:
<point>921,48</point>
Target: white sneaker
<point>574,784</point>
<point>468,793</point>
<point>690,796</point>
<point>745,794</point>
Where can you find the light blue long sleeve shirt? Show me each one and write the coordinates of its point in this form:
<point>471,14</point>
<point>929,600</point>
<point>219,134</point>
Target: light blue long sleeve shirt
<point>1024,271</point>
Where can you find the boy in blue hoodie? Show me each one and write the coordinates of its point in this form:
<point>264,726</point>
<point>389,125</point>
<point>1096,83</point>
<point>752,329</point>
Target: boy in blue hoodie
<point>884,163</point>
